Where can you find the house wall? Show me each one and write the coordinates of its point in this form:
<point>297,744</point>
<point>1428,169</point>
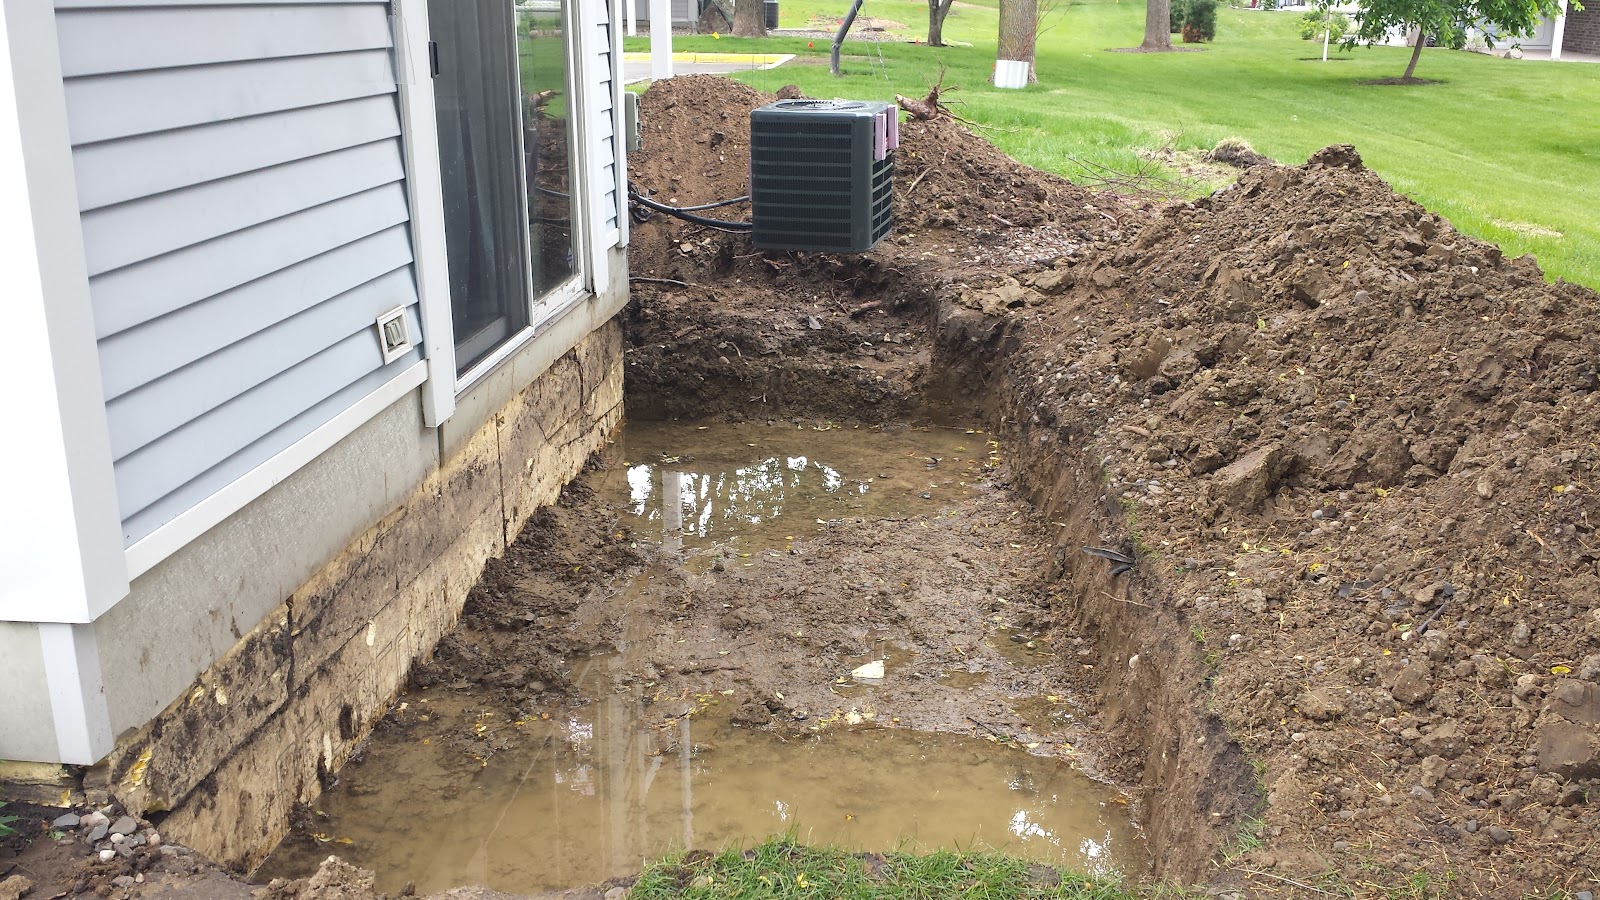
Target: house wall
<point>240,181</point>
<point>683,11</point>
<point>296,685</point>
<point>26,697</point>
<point>1583,31</point>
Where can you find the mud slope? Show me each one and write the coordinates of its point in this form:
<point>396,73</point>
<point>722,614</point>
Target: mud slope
<point>1351,448</point>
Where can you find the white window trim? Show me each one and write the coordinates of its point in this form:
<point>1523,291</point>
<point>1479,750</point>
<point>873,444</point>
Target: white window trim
<point>61,529</point>
<point>558,300</point>
<point>420,136</point>
<point>419,130</point>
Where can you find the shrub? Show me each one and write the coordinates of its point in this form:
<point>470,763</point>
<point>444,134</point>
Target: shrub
<point>1312,23</point>
<point>1200,21</point>
<point>1179,11</point>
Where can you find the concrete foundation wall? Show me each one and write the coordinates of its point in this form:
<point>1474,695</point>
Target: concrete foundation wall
<point>286,630</point>
<point>27,727</point>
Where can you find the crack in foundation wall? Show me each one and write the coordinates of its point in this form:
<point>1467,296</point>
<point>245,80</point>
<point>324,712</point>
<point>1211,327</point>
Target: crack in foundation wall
<point>265,726</point>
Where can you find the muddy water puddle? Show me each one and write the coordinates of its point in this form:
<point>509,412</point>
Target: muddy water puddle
<point>743,488</point>
<point>645,760</point>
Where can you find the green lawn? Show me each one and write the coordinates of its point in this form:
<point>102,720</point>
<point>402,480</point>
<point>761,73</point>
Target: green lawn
<point>1507,150</point>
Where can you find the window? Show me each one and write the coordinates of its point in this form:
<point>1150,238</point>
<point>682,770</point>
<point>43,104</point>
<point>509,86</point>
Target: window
<point>506,163</point>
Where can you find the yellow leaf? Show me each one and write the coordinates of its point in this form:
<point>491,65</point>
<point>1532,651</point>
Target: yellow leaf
<point>1560,670</point>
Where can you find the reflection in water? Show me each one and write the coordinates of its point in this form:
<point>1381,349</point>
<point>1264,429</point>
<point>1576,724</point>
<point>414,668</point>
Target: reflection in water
<point>593,791</point>
<point>785,479</point>
<point>592,794</point>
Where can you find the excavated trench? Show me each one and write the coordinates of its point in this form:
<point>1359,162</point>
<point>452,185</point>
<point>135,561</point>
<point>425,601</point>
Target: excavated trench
<point>848,603</point>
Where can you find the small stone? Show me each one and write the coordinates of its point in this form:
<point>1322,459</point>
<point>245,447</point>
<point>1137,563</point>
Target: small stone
<point>1499,835</point>
<point>125,850</point>
<point>94,819</point>
<point>1319,705</point>
<point>1472,826</point>
<point>13,887</point>
<point>70,820</point>
<point>616,893</point>
<point>154,840</point>
<point>1341,846</point>
<point>118,838</point>
<point>1444,740</point>
<point>1569,750</point>
<point>1433,769</point>
<point>107,855</point>
<point>1411,685</point>
<point>1583,895</point>
<point>125,825</point>
<point>98,833</point>
<point>123,881</point>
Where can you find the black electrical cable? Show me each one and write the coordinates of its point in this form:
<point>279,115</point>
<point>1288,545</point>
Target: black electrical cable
<point>714,204</point>
<point>684,213</point>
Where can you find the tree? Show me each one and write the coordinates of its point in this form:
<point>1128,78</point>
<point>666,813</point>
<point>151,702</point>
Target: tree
<point>937,10</point>
<point>1019,30</point>
<point>1157,26</point>
<point>1375,19</point>
<point>749,18</point>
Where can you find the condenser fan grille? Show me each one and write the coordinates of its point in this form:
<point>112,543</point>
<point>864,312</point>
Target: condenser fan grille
<point>822,174</point>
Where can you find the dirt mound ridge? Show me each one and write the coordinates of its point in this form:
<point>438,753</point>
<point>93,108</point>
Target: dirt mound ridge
<point>1362,448</point>
<point>696,149</point>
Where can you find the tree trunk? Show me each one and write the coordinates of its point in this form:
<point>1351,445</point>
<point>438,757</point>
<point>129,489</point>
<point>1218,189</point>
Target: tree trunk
<point>1019,27</point>
<point>937,10</point>
<point>749,18</point>
<point>1157,26</point>
<point>1416,53</point>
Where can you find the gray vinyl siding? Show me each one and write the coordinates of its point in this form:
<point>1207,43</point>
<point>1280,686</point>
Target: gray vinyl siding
<point>605,131</point>
<point>241,186</point>
<point>683,11</point>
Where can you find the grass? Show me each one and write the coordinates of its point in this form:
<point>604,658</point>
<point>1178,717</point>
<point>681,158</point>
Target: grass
<point>783,868</point>
<point>5,824</point>
<point>1508,150</point>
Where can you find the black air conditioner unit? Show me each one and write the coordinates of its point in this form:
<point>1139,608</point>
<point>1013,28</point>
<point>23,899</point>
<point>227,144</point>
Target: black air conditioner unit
<point>822,174</point>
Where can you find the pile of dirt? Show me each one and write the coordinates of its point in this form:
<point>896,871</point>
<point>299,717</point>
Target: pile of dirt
<point>1357,449</point>
<point>719,329</point>
<point>1352,448</point>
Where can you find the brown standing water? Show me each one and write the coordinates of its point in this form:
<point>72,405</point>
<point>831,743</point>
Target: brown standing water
<point>575,792</point>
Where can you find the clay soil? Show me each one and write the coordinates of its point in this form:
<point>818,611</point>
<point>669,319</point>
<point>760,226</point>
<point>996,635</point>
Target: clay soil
<point>1350,450</point>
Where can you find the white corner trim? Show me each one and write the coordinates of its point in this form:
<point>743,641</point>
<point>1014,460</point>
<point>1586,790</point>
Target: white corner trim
<point>587,77</point>
<point>77,692</point>
<point>1558,32</point>
<point>60,527</point>
<point>619,122</point>
<point>200,518</point>
<point>420,137</point>
<point>661,39</point>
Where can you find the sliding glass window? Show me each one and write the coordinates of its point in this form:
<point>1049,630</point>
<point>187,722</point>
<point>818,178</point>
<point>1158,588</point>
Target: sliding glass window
<point>506,156</point>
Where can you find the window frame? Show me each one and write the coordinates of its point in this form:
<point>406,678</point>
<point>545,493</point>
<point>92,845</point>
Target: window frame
<point>424,185</point>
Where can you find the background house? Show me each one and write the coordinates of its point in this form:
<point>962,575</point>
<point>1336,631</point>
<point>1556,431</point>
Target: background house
<point>310,305</point>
